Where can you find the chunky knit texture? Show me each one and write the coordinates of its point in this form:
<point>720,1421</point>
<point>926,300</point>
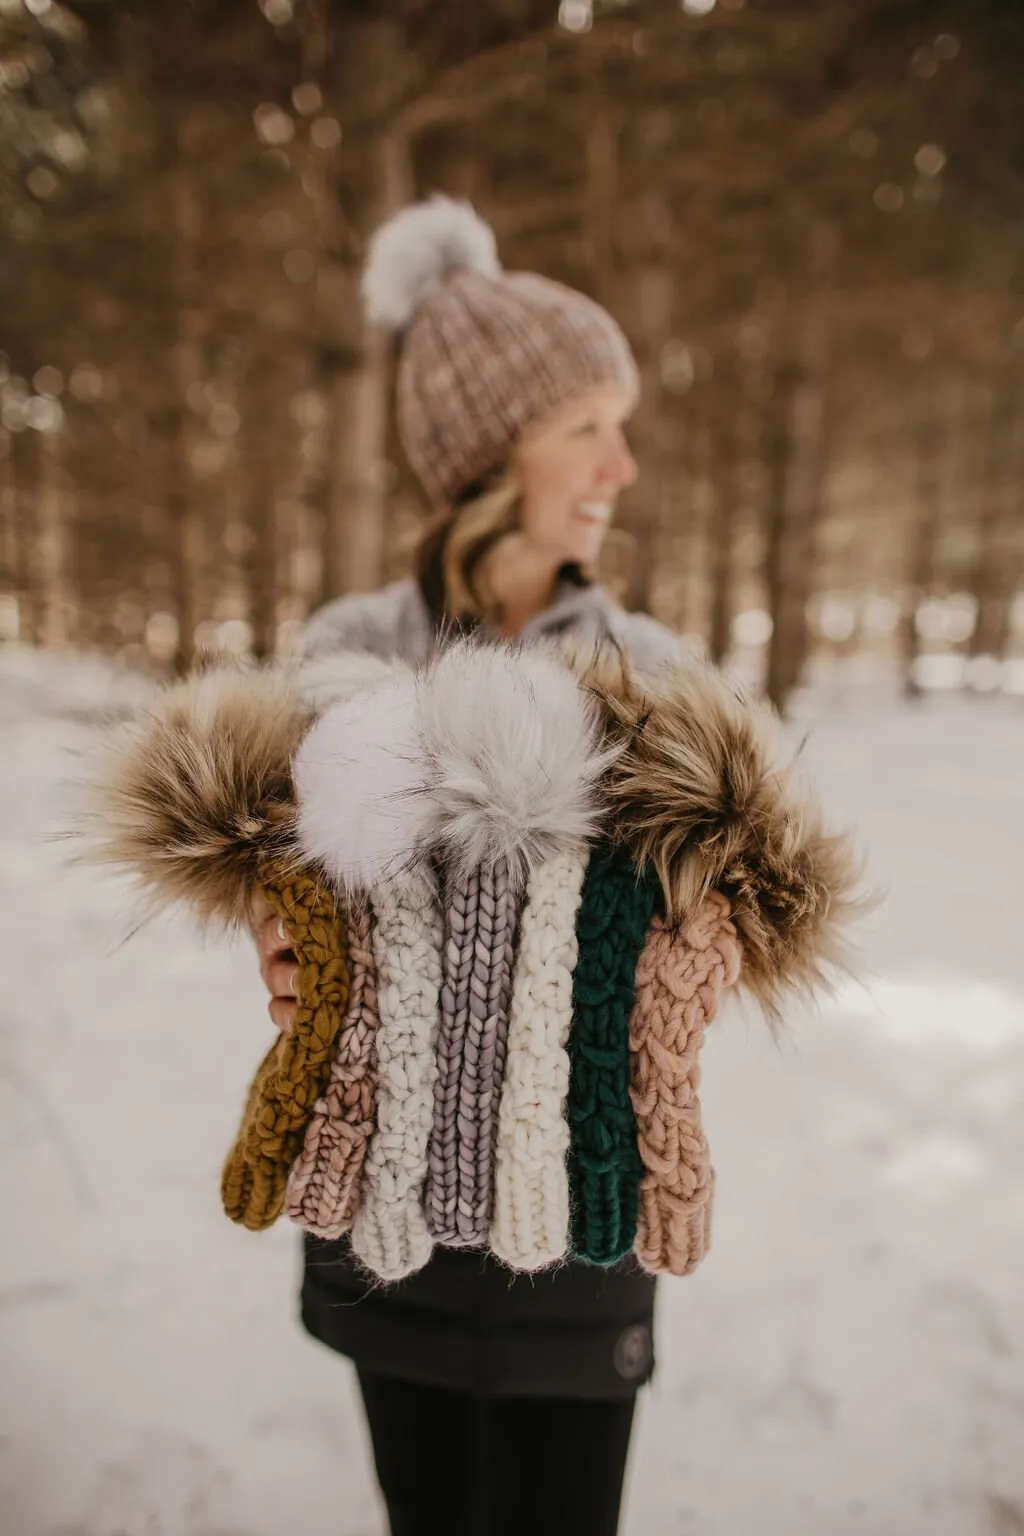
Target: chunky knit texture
<point>679,983</point>
<point>480,924</point>
<point>323,1185</point>
<point>531,1177</point>
<point>604,1164</point>
<point>389,1232</point>
<point>294,1071</point>
<point>489,760</point>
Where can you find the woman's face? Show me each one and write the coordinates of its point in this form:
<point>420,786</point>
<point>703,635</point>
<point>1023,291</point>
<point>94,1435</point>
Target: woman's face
<point>572,466</point>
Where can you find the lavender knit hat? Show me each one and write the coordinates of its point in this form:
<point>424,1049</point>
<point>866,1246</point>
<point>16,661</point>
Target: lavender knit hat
<point>483,352</point>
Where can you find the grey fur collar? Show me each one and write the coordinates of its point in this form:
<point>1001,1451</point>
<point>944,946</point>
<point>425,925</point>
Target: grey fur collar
<point>394,623</point>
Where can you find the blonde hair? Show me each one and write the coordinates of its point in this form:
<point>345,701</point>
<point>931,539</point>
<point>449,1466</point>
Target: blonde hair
<point>451,554</point>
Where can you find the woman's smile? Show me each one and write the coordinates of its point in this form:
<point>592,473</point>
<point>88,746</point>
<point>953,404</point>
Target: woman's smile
<point>594,512</point>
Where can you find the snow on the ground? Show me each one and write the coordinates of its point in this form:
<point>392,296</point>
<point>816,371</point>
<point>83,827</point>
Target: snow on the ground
<point>849,1361</point>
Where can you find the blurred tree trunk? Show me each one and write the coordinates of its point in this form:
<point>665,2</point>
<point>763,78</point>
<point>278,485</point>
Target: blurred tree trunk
<point>644,510</point>
<point>265,397</point>
<point>320,180</point>
<point>796,466</point>
<point>97,591</point>
<point>728,441</point>
<point>601,168</point>
<point>653,428</point>
<point>994,573</point>
<point>931,429</point>
<point>376,179</point>
<point>632,231</point>
<point>56,626</point>
<point>798,451</point>
<point>699,514</point>
<point>9,583</point>
<point>20,503</point>
<point>600,190</point>
<point>780,552</point>
<point>190,321</point>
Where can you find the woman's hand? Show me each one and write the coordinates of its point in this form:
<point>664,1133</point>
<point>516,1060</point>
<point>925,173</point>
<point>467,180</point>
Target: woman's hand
<point>278,966</point>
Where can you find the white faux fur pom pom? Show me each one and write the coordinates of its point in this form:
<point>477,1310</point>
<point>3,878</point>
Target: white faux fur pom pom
<point>514,758</point>
<point>416,250</point>
<point>360,782</point>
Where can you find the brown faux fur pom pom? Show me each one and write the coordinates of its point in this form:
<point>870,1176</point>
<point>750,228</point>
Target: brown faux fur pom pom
<point>194,797</point>
<point>698,793</point>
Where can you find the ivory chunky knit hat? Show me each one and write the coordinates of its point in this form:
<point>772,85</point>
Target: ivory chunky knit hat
<point>483,352</point>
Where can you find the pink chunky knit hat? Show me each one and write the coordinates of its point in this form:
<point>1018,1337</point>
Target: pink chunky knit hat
<point>483,352</point>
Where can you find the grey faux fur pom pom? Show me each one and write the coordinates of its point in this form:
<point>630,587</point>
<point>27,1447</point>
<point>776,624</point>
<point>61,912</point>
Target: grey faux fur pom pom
<point>416,250</point>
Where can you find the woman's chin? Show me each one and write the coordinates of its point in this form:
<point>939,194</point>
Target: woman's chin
<point>585,549</point>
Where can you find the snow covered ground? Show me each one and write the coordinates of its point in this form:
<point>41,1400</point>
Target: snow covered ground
<point>848,1362</point>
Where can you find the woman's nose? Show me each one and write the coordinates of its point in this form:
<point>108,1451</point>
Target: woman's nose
<point>618,468</point>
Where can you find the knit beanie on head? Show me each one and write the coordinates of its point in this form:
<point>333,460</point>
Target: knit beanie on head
<point>483,353</point>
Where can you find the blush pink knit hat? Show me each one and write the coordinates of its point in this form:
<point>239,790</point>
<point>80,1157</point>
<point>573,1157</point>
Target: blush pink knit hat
<point>483,352</point>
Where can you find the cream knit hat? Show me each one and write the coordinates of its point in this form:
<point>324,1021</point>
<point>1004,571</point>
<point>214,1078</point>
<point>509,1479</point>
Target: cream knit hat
<point>483,352</point>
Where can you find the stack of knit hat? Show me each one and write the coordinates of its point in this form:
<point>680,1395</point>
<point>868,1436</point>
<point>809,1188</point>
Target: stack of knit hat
<point>517,883</point>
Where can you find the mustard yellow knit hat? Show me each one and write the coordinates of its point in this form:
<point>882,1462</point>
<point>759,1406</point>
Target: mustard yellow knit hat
<point>483,352</point>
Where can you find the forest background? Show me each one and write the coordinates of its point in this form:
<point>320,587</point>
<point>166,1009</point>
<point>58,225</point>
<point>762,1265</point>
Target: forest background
<point>808,218</point>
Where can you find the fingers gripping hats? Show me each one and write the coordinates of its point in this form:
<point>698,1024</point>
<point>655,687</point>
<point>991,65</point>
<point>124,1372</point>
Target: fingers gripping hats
<point>483,352</point>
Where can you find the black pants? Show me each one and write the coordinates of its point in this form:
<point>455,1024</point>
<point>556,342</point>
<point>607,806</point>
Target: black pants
<point>453,1465</point>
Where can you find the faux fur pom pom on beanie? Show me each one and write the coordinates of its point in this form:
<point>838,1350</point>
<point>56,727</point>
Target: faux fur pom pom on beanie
<point>701,794</point>
<point>515,765</point>
<point>195,799</point>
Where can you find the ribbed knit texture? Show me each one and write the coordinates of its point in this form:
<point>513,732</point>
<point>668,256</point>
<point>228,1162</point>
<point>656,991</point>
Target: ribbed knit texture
<point>679,983</point>
<point>389,1230</point>
<point>294,1072</point>
<point>480,924</point>
<point>604,1162</point>
<point>531,1178</point>
<point>323,1185</point>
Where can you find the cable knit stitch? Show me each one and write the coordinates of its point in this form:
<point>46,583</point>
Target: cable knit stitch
<point>480,921</point>
<point>531,1179</point>
<point>323,1185</point>
<point>679,982</point>
<point>604,1163</point>
<point>293,1073</point>
<point>389,1230</point>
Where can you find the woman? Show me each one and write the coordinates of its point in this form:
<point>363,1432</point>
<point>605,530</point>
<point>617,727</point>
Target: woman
<point>496,1402</point>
